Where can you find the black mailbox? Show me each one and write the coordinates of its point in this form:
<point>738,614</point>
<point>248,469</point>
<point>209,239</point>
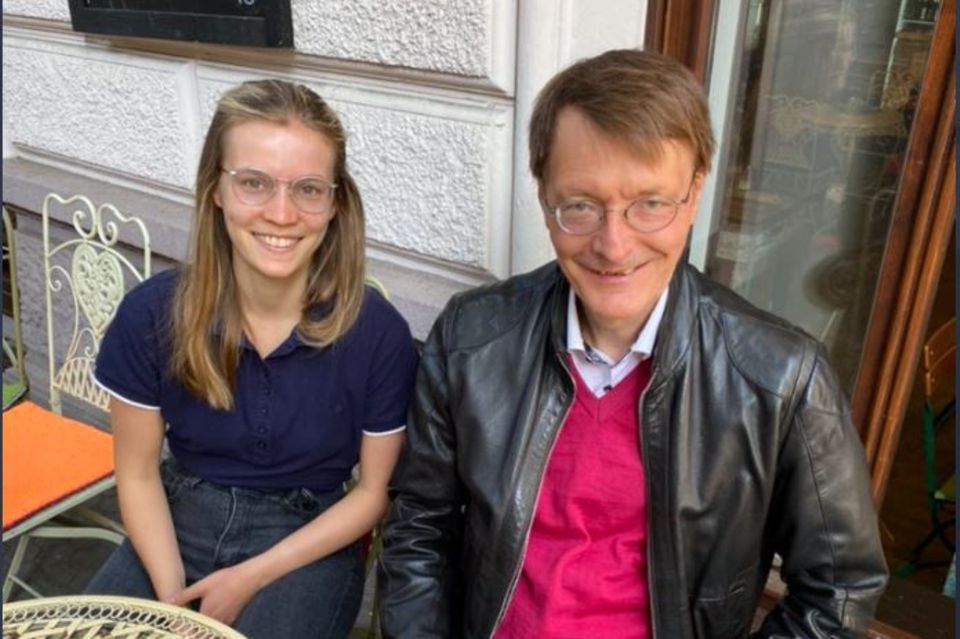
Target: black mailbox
<point>258,23</point>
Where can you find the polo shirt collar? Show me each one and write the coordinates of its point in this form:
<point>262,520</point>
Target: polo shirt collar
<point>293,341</point>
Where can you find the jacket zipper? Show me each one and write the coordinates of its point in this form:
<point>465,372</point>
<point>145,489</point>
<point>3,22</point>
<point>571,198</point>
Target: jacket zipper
<point>533,514</point>
<point>646,488</point>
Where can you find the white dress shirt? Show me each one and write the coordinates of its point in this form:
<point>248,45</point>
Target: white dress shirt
<point>597,369</point>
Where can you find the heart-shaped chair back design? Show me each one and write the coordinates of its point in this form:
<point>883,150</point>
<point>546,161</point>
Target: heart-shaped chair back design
<point>98,284</point>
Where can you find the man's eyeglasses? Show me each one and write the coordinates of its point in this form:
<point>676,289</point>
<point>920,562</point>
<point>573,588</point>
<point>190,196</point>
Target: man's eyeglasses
<point>310,193</point>
<point>646,215</point>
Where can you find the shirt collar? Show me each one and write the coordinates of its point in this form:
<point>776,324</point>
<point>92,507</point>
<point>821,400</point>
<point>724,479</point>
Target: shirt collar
<point>293,341</point>
<point>643,346</point>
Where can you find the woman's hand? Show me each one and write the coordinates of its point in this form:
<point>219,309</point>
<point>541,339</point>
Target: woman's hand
<point>169,595</point>
<point>223,594</point>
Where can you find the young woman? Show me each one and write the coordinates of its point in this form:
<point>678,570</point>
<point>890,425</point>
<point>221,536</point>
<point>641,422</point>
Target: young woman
<point>271,370</point>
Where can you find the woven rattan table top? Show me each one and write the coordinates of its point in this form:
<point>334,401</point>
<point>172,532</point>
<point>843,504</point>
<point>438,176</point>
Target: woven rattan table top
<point>93,617</point>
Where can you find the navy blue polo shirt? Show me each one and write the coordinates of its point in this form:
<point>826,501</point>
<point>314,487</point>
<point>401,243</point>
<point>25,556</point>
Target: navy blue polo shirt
<point>298,415</point>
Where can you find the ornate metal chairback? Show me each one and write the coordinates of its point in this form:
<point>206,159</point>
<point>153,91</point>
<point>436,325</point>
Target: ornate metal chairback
<point>86,277</point>
<point>892,88</point>
<point>15,351</point>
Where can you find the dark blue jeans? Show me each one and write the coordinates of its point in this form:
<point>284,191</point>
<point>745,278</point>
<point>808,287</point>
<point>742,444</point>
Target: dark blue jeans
<point>219,526</point>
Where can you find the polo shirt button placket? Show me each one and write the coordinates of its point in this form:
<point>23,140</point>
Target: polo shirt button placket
<point>263,429</point>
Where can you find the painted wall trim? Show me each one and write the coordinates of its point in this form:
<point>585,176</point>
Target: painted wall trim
<point>286,61</point>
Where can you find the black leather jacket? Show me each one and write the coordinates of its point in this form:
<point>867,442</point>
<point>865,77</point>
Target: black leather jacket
<point>748,450</point>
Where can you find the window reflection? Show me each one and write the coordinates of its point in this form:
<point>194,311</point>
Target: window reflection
<point>826,97</point>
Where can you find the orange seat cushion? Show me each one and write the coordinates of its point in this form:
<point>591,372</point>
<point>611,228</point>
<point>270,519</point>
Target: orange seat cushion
<point>47,458</point>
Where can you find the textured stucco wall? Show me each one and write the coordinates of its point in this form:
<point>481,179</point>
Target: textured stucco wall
<point>460,37</point>
<point>449,36</point>
<point>99,109</point>
<point>49,9</point>
<point>425,163</point>
<point>426,179</point>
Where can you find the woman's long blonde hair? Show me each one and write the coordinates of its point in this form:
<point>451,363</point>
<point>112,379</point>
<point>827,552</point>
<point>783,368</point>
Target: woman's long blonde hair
<point>206,321</point>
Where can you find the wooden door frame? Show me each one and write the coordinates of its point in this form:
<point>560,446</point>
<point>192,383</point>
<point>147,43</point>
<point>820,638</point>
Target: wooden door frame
<point>682,29</point>
<point>919,230</point>
<point>920,227</point>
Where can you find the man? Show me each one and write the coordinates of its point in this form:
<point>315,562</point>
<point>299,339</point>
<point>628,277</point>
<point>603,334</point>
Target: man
<point>612,445</point>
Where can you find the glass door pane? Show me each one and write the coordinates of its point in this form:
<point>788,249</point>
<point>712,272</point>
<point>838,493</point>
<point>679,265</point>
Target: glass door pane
<point>821,115</point>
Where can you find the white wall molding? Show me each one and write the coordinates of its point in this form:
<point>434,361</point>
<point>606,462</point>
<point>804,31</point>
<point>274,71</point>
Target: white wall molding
<point>8,150</point>
<point>134,183</point>
<point>58,10</point>
<point>499,84</point>
<point>428,266</point>
<point>471,38</point>
<point>193,131</point>
<point>103,108</point>
<point>722,95</point>
<point>429,90</point>
<point>551,35</point>
<point>26,184</point>
<point>468,38</point>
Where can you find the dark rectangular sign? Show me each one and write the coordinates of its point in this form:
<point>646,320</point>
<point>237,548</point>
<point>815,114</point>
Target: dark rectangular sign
<point>258,23</point>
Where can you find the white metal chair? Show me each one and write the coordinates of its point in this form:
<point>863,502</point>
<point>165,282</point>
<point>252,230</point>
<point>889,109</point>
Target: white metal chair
<point>16,387</point>
<point>53,464</point>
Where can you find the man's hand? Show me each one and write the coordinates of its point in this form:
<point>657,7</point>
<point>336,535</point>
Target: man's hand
<point>222,594</point>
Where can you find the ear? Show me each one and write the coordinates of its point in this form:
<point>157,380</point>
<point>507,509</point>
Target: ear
<point>216,196</point>
<point>696,192</point>
<point>542,199</point>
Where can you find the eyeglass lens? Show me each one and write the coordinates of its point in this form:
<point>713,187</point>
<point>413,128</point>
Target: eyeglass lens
<point>581,218</point>
<point>310,194</point>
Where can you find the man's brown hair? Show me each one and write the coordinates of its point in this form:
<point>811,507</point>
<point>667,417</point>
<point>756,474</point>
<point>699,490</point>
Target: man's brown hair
<point>641,97</point>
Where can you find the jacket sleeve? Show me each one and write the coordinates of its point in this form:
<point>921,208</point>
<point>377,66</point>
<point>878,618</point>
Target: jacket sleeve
<point>823,521</point>
<point>419,568</point>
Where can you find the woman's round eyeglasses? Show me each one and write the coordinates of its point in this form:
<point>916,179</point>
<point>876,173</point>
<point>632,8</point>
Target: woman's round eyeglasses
<point>310,193</point>
<point>646,215</point>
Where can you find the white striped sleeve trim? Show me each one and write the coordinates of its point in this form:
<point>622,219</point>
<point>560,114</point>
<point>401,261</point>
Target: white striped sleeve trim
<point>386,432</point>
<point>123,399</point>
